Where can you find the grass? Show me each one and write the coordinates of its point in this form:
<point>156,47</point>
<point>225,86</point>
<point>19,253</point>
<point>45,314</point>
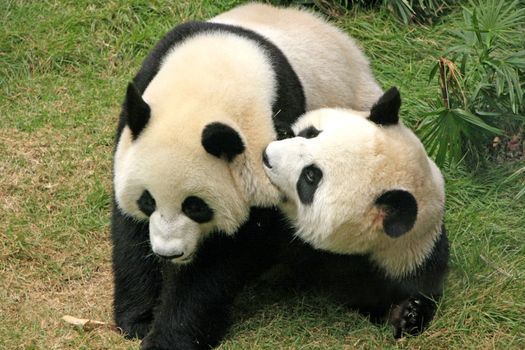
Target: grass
<point>63,70</point>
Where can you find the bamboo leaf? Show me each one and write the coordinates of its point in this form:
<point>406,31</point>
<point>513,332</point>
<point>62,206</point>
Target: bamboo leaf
<point>477,121</point>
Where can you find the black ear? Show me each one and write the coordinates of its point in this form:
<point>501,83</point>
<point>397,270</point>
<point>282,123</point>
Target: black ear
<point>220,140</point>
<point>400,212</point>
<point>386,110</point>
<point>138,111</point>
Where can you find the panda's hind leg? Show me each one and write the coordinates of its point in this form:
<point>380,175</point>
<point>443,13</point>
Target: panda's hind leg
<point>137,276</point>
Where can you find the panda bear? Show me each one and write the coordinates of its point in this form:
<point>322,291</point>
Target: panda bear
<point>361,186</point>
<point>193,217</point>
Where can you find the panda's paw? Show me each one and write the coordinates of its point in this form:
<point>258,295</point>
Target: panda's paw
<point>135,330</point>
<point>152,342</point>
<point>412,316</point>
<point>155,341</point>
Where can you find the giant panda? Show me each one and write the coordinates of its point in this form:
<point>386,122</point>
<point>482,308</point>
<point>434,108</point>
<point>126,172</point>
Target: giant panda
<point>360,186</point>
<point>193,215</point>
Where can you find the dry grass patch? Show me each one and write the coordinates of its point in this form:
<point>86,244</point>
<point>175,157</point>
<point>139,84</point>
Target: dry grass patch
<point>55,250</point>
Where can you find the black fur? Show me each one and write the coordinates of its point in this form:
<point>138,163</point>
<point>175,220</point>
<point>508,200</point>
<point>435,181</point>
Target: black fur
<point>221,140</point>
<point>137,112</point>
<point>308,182</point>
<point>386,110</point>
<point>290,102</point>
<point>191,312</point>
<point>196,209</point>
<point>136,273</point>
<point>408,303</point>
<point>283,130</point>
<point>309,133</point>
<point>146,203</point>
<point>197,300</point>
<point>400,212</point>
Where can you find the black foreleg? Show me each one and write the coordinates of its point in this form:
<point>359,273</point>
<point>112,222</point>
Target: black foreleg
<point>195,309</point>
<point>197,298</point>
<point>137,276</point>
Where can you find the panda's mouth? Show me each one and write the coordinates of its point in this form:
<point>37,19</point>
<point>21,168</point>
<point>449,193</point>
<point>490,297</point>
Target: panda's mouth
<point>268,170</point>
<point>185,260</point>
<point>265,160</point>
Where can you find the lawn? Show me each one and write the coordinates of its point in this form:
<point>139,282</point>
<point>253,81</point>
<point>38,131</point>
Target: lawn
<point>64,66</point>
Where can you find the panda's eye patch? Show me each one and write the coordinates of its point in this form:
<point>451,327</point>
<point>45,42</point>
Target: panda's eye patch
<point>146,203</point>
<point>308,183</point>
<point>309,133</point>
<point>309,176</point>
<point>312,174</point>
<point>197,210</point>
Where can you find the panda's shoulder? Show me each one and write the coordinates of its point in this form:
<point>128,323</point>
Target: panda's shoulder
<point>179,34</point>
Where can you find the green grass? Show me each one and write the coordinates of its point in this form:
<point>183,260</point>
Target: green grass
<point>64,66</point>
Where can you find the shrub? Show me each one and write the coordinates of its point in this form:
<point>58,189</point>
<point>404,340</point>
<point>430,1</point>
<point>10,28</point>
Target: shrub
<point>406,10</point>
<point>481,81</point>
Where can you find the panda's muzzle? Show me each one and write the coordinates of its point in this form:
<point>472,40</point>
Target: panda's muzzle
<point>174,239</point>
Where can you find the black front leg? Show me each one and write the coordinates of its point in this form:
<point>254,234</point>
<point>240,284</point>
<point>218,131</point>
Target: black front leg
<point>197,298</point>
<point>195,308</point>
<point>137,275</point>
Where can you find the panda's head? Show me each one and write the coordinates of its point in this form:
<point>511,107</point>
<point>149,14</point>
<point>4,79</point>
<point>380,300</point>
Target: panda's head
<point>357,182</point>
<point>187,178</point>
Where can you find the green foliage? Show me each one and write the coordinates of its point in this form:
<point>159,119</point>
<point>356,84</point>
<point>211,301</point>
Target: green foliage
<point>519,174</point>
<point>406,10</point>
<point>481,80</point>
<point>444,126</point>
<point>494,43</point>
<point>410,10</point>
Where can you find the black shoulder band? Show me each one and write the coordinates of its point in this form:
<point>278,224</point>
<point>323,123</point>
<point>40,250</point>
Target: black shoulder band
<point>290,102</point>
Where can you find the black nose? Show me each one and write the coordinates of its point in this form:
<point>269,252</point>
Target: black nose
<point>170,257</point>
<point>265,160</point>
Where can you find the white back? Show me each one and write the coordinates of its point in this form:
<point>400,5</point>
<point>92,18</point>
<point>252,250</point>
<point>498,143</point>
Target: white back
<point>333,70</point>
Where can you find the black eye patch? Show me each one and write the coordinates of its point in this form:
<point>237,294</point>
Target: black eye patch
<point>308,183</point>
<point>197,209</point>
<point>309,133</point>
<point>146,203</point>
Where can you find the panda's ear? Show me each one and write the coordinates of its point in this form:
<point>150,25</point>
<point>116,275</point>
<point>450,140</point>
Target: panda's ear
<point>222,140</point>
<point>398,211</point>
<point>137,110</point>
<point>386,109</point>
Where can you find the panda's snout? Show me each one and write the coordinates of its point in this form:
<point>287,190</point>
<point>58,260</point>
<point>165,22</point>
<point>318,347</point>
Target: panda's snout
<point>265,160</point>
<point>174,240</point>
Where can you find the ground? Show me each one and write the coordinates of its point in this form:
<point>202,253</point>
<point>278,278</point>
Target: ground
<point>64,67</point>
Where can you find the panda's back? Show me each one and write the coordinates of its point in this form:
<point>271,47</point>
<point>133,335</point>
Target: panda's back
<point>333,70</point>
<point>218,70</point>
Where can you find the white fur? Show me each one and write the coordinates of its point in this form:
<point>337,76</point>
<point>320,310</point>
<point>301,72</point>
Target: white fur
<point>173,236</point>
<point>220,77</point>
<point>333,70</point>
<point>359,160</point>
